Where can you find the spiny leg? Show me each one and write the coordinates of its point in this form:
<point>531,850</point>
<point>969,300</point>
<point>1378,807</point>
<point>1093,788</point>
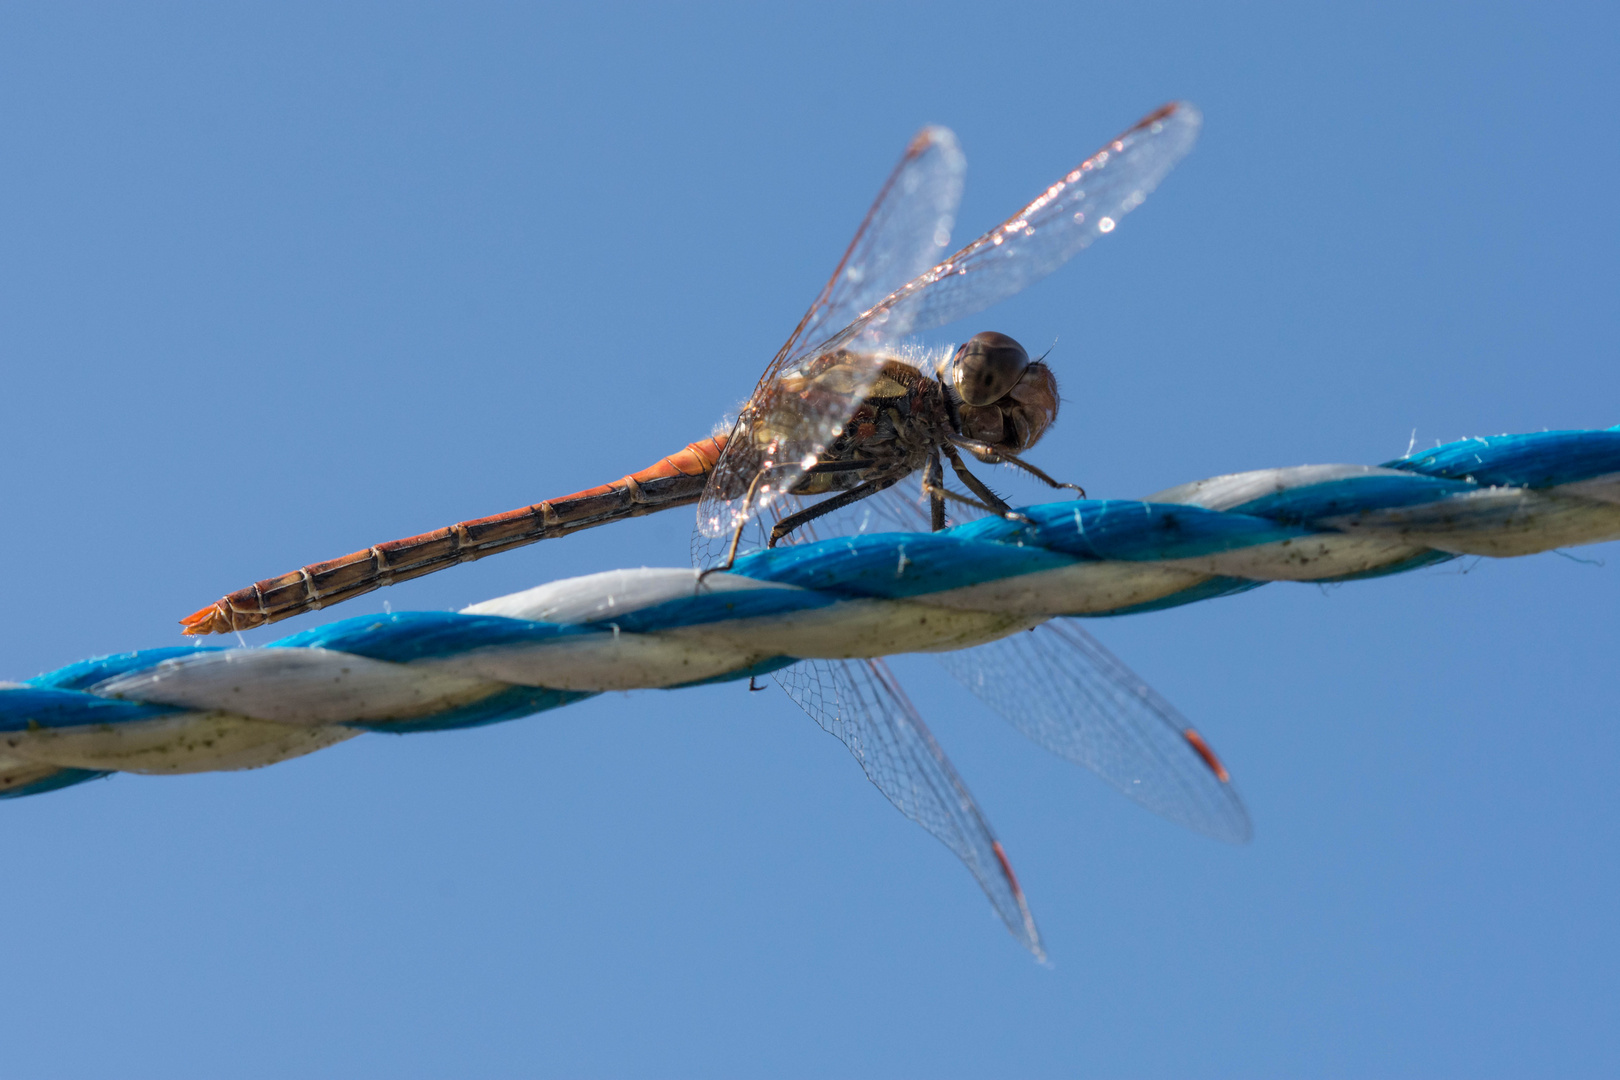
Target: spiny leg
<point>827,506</point>
<point>933,483</point>
<point>736,536</point>
<point>853,465</point>
<point>1014,459</point>
<point>748,502</point>
<point>941,493</point>
<point>975,485</point>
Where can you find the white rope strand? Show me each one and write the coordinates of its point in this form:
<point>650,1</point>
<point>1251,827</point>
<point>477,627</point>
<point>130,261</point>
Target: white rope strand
<point>187,709</point>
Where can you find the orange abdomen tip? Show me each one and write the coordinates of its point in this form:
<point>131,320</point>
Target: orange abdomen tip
<point>210,620</point>
<point>222,617</point>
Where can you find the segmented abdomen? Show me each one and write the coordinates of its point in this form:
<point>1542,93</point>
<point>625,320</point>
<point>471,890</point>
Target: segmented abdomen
<point>677,480</point>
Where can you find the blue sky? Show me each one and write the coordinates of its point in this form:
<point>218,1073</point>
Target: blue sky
<point>279,284</point>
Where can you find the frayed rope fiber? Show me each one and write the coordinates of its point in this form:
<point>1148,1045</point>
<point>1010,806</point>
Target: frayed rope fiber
<point>194,709</point>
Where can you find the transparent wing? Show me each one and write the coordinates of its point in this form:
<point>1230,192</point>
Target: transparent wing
<point>778,436</point>
<point>1060,687</point>
<point>906,230</point>
<point>815,383</point>
<point>860,702</point>
<point>1087,203</point>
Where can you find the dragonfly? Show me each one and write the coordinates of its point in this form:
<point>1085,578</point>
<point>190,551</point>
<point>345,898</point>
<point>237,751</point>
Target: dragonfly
<point>849,407</point>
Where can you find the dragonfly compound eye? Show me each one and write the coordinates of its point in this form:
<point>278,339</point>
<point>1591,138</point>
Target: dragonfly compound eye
<point>987,367</point>
<point>1030,408</point>
<point>1018,420</point>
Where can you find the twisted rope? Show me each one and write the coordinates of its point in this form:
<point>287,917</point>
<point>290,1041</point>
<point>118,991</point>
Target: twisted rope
<point>194,709</point>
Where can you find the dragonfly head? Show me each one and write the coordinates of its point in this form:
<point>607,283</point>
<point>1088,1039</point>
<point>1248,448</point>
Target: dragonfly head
<point>1007,400</point>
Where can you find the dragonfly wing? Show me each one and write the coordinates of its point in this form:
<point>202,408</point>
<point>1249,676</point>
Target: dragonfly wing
<point>860,702</point>
<point>787,429</point>
<point>1085,204</point>
<point>1058,685</point>
<point>905,232</point>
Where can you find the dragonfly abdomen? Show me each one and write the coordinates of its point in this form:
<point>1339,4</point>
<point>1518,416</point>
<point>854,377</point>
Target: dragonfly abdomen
<point>677,480</point>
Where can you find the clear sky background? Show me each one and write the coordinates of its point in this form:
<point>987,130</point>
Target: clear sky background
<point>281,283</point>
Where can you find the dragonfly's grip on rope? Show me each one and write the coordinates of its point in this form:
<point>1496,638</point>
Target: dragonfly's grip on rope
<point>677,480</point>
<point>869,595</point>
<point>195,709</point>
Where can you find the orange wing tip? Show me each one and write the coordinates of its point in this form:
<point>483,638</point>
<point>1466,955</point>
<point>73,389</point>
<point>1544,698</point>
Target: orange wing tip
<point>1196,741</point>
<point>1161,113</point>
<point>1006,868</point>
<point>1032,936</point>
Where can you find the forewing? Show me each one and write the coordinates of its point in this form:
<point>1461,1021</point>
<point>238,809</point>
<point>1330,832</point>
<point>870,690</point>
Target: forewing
<point>778,436</point>
<point>905,232</point>
<point>1060,687</point>
<point>780,427</point>
<point>1087,203</point>
<point>860,702</point>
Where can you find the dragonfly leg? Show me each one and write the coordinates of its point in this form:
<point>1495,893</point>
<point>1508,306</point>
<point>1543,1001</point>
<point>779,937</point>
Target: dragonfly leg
<point>933,485</point>
<point>1013,459</point>
<point>932,479</point>
<point>822,468</point>
<point>827,506</point>
<point>940,493</point>
<point>853,465</point>
<point>736,536</point>
<point>993,502</point>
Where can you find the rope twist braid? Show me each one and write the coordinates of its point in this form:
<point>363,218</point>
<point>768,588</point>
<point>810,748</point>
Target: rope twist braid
<point>193,709</point>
